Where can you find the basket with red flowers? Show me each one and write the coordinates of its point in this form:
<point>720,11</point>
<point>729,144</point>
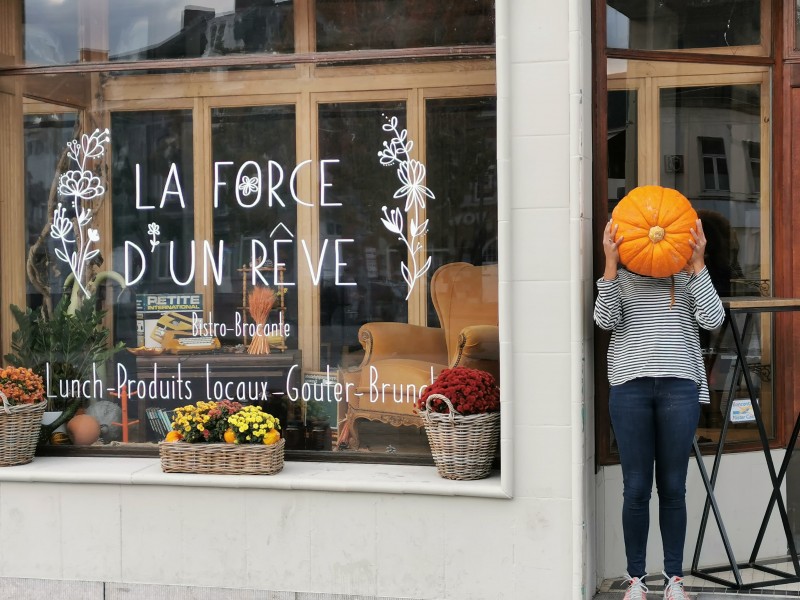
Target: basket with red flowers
<point>22,405</point>
<point>461,412</point>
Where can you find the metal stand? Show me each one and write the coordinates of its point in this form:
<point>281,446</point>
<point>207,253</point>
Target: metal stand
<point>748,307</point>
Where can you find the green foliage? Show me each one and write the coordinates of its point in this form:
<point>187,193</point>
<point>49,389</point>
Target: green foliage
<point>70,342</point>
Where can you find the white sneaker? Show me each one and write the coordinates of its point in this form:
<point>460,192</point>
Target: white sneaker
<point>637,590</point>
<point>673,589</point>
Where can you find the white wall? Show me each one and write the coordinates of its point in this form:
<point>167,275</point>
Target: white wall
<point>742,491</point>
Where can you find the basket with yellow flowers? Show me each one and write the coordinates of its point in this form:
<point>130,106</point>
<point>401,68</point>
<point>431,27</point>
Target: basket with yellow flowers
<point>222,438</point>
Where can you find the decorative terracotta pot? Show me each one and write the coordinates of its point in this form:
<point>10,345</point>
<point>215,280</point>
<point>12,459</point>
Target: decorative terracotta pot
<point>84,430</point>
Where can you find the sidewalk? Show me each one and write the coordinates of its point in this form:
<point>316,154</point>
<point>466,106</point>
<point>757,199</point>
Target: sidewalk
<point>701,589</point>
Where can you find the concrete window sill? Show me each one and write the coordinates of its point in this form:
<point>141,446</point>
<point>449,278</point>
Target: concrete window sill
<point>334,477</point>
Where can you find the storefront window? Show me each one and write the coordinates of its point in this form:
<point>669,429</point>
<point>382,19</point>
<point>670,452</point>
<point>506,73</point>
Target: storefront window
<point>252,234</point>
<point>684,24</point>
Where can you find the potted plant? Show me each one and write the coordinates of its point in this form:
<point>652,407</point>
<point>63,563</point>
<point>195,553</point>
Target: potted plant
<point>461,412</point>
<point>222,438</point>
<point>22,403</point>
<point>64,346</point>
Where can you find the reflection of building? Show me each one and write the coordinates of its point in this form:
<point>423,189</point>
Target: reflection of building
<point>252,26</point>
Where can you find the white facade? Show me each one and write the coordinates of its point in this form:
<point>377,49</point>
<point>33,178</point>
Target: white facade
<point>549,529</point>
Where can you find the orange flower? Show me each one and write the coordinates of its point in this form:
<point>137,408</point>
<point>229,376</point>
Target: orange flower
<point>21,385</point>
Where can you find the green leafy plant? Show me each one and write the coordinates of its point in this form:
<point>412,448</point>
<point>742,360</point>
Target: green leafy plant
<point>64,345</point>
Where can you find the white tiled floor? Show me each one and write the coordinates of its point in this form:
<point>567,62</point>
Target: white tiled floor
<point>704,588</point>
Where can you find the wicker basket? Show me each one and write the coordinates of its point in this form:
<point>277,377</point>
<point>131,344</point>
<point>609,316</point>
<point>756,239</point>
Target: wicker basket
<point>221,459</point>
<point>20,425</point>
<point>462,446</point>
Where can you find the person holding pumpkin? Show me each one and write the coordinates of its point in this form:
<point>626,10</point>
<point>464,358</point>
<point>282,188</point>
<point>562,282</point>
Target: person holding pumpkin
<point>654,295</point>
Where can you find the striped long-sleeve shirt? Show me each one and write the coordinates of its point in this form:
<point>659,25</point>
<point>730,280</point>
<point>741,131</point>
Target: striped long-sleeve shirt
<point>651,339</point>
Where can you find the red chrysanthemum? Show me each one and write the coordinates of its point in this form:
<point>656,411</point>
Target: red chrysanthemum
<point>470,391</point>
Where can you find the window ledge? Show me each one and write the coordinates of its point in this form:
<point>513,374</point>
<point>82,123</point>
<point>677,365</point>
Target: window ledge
<point>316,476</point>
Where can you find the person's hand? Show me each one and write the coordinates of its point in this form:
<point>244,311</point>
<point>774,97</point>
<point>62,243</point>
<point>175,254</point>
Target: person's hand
<point>611,249</point>
<point>697,261</point>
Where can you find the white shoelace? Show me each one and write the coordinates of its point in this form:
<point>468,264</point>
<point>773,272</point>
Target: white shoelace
<point>673,590</point>
<point>636,589</point>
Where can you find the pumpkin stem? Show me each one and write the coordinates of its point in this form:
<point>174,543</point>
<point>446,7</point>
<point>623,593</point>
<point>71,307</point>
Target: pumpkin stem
<point>656,234</point>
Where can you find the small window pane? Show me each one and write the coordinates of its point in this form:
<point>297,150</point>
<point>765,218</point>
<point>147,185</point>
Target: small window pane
<point>50,31</point>
<point>623,145</point>
<point>381,24</point>
<point>252,147</point>
<point>462,173</point>
<point>682,24</point>
<point>173,29</point>
<point>152,185</point>
<point>351,134</point>
<point>62,32</point>
<point>46,137</point>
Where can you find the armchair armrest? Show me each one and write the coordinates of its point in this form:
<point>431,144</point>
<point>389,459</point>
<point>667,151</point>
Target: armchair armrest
<point>382,340</point>
<point>478,343</point>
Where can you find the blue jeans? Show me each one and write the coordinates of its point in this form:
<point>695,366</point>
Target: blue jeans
<point>654,421</point>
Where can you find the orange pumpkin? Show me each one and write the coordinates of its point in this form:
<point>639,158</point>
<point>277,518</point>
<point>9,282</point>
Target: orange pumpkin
<point>655,223</point>
<point>173,436</point>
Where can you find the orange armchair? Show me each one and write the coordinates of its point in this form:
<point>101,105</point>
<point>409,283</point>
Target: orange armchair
<point>399,359</point>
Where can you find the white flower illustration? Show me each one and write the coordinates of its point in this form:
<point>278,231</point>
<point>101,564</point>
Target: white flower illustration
<point>62,225</point>
<point>249,185</point>
<point>394,221</point>
<point>411,174</point>
<point>82,184</point>
<point>153,230</point>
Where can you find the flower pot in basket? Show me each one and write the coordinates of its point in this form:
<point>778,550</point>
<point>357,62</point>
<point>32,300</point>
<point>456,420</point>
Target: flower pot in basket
<point>19,431</point>
<point>221,459</point>
<point>463,446</point>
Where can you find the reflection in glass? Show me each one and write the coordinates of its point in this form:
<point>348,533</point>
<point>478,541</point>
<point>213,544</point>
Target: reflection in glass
<point>353,134</point>
<point>154,29</point>
<point>711,134</point>
<point>152,184</point>
<point>682,24</point>
<point>266,136</point>
<point>708,133</point>
<point>50,32</point>
<point>623,144</point>
<point>380,24</point>
<point>173,29</point>
<point>46,138</point>
<point>461,153</point>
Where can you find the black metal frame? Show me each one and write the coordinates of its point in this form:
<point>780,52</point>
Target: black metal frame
<point>734,307</point>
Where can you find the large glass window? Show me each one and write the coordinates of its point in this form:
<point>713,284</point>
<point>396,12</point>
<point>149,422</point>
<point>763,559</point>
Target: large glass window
<point>311,240</point>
